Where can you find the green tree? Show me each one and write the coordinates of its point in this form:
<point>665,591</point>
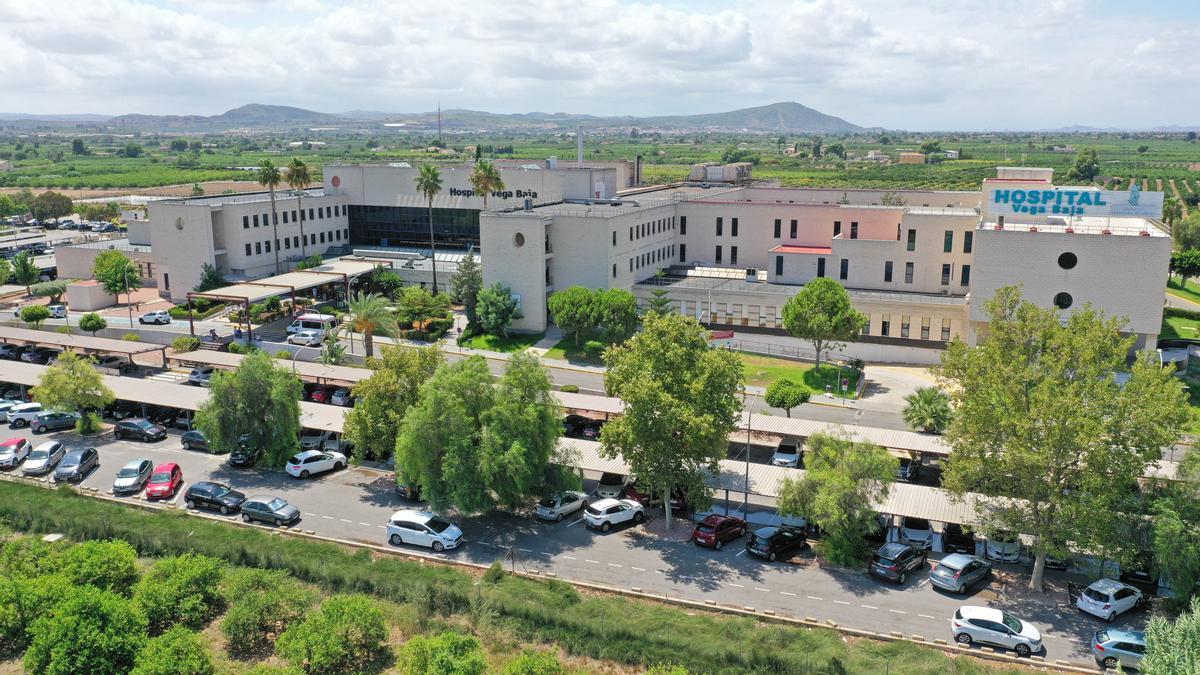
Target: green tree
<point>816,146</point>
<point>179,145</point>
<point>681,404</point>
<point>178,651</point>
<point>260,399</point>
<point>927,409</point>
<point>314,260</point>
<point>485,178</point>
<point>53,290</point>
<point>383,399</point>
<point>346,634</point>
<point>5,271</point>
<point>34,315</point>
<point>1086,166</point>
<point>183,590</point>
<point>448,653</point>
<point>90,631</point>
<point>52,205</point>
<point>333,352</point>
<point>23,600</point>
<point>836,149</point>
<point>24,271</point>
<point>930,147</point>
<point>574,310</point>
<point>8,207</point>
<point>92,323</point>
<point>73,385</point>
<point>786,394</point>
<point>132,149</point>
<point>842,483</point>
<point>822,314</point>
<point>210,278</point>
<point>465,286</point>
<point>1186,264</point>
<point>534,662</point>
<point>417,305</point>
<point>1173,647</point>
<point>1040,419</point>
<point>197,190</point>
<point>497,308</point>
<point>371,315</point>
<point>78,148</point>
<point>107,565</point>
<point>616,313</point>
<point>659,302</point>
<point>116,273</point>
<point>262,604</point>
<point>1186,232</point>
<point>429,183</point>
<point>1176,532</point>
<point>299,175</point>
<point>270,177</point>
<point>1172,210</point>
<point>386,282</point>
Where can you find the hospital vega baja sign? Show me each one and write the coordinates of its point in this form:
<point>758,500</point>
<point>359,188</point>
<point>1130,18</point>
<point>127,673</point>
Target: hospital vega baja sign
<point>1067,201</point>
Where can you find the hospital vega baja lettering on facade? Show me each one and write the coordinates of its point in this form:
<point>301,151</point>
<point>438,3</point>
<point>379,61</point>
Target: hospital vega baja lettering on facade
<point>1076,202</point>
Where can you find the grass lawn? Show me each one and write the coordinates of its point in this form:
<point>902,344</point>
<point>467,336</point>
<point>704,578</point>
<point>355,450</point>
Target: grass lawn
<point>1179,327</point>
<point>566,350</point>
<point>1190,292</point>
<point>513,343</point>
<point>761,371</point>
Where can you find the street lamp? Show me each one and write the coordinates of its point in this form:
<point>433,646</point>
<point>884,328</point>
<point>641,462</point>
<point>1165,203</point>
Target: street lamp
<point>747,402</point>
<point>297,353</point>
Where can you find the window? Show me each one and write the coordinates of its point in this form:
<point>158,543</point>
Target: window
<point>310,214</point>
<point>258,248</point>
<point>295,218</point>
<point>778,227</point>
<point>275,218</point>
<point>908,272</point>
<point>820,267</point>
<point>256,220</point>
<point>968,241</point>
<point>631,264</point>
<point>948,242</point>
<point>268,247</point>
<point>946,274</point>
<point>733,227</point>
<point>778,265</point>
<point>845,269</point>
<point>885,326</point>
<point>322,237</point>
<point>718,255</point>
<point>682,252</point>
<point>682,224</point>
<point>887,272</point>
<point>793,229</point>
<point>285,217</point>
<point>924,328</point>
<point>338,233</point>
<point>853,230</point>
<point>246,222</point>
<point>614,237</point>
<point>903,326</point>
<point>866,329</point>
<point>306,240</point>
<point>732,255</point>
<point>837,227</point>
<point>248,252</point>
<point>631,234</point>
<point>1068,260</point>
<point>945,330</point>
<point>296,241</point>
<point>719,223</point>
<point>964,277</point>
<point>912,240</point>
<point>614,270</point>
<point>287,244</point>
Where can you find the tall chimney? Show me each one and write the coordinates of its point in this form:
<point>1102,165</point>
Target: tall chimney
<point>579,146</point>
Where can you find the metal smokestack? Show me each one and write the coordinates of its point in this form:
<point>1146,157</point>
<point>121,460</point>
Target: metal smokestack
<point>579,146</point>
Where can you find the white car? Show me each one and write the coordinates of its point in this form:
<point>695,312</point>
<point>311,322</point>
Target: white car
<point>158,316</point>
<point>983,624</point>
<point>423,528</point>
<point>341,397</point>
<point>12,452</point>
<point>1004,547</point>
<point>24,414</point>
<point>311,439</point>
<point>602,515</point>
<point>918,533</point>
<point>201,376</point>
<point>1106,598</point>
<point>56,311</point>
<point>44,458</point>
<point>561,504</point>
<point>306,338</point>
<point>310,462</point>
<point>787,453</point>
<point>5,406</point>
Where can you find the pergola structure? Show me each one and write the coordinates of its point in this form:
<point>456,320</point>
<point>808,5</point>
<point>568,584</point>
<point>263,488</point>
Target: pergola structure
<point>82,344</point>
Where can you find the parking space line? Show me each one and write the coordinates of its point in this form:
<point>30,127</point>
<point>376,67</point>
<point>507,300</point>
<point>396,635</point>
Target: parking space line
<point>813,597</point>
<point>614,565</point>
<point>786,593</point>
<point>764,590</point>
<point>575,522</point>
<point>735,585</point>
<point>840,602</point>
<point>525,550</point>
<point>868,607</point>
<point>636,569</point>
<point>594,562</point>
<point>926,616</point>
<point>739,553</point>
<point>570,557</point>
<point>346,521</point>
<point>897,611</point>
<point>364,524</point>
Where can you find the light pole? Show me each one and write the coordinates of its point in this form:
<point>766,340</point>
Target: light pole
<point>747,402</point>
<point>128,300</point>
<point>297,353</point>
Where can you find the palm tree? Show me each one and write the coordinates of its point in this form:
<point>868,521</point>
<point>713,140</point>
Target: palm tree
<point>371,315</point>
<point>298,178</point>
<point>927,409</point>
<point>270,177</point>
<point>429,183</point>
<point>485,178</point>
<point>1172,211</point>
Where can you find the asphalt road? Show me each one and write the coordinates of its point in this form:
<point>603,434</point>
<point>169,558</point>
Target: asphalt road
<point>355,503</point>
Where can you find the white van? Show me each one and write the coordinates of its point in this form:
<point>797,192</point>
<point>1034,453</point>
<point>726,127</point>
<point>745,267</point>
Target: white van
<point>314,322</point>
<point>24,414</point>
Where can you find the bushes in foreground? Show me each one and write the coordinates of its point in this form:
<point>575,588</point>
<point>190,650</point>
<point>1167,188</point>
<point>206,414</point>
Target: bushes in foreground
<point>262,605</point>
<point>176,652</point>
<point>89,631</point>
<point>182,590</point>
<point>346,635</point>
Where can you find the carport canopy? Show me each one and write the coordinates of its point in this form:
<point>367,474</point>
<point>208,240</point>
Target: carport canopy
<point>82,344</point>
<point>319,373</point>
<point>256,291</point>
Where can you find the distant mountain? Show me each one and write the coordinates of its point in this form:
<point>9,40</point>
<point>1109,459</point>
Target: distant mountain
<point>53,118</point>
<point>1084,129</point>
<point>784,117</point>
<point>253,115</point>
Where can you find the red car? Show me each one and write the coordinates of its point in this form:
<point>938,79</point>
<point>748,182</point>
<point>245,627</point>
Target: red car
<point>715,530</point>
<point>321,394</point>
<point>165,481</point>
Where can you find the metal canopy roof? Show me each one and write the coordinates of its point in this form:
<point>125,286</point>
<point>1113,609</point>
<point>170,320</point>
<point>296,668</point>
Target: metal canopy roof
<point>893,439</point>
<point>299,280</point>
<point>79,343</point>
<point>318,372</point>
<point>602,404</point>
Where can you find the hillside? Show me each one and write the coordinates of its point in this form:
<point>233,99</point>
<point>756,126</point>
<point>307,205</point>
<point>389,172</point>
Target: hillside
<point>788,117</point>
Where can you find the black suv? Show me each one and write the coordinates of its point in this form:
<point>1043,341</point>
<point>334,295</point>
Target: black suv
<point>246,454</point>
<point>217,496</point>
<point>908,469</point>
<point>776,542</point>
<point>139,428</point>
<point>895,561</point>
<point>956,540</point>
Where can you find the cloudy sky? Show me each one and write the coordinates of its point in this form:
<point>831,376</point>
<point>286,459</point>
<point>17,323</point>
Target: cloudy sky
<point>921,65</point>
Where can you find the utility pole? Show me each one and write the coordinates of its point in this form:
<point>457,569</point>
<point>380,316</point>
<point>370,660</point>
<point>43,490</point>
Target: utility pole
<point>439,124</point>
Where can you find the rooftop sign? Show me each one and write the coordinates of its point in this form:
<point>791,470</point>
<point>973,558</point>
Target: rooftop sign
<point>1066,201</point>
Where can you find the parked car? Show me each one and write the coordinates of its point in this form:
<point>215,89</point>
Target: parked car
<point>5,404</point>
<point>560,504</point>
<point>342,397</point>
<point>991,626</point>
<point>76,464</point>
<point>43,458</point>
<point>269,510</point>
<point>185,420</point>
<point>895,561</point>
<point>163,416</point>
<point>1106,598</point>
<point>908,469</point>
<point>11,352</point>
<point>605,513</point>
<point>165,481</point>
<point>193,440</point>
<point>573,425</point>
<point>312,439</point>
<point>787,453</point>
<point>321,394</point>
<point>409,491</point>
<point>877,535</point>
<point>590,429</point>
<point>917,532</point>
<point>1114,649</point>
<point>140,429</point>
<point>13,451</point>
<point>157,317</point>
<point>957,540</point>
<point>715,530</point>
<point>776,542</point>
<point>958,572</point>
<point>119,410</point>
<point>1003,547</point>
<point>611,485</point>
<point>41,355</point>
<point>201,376</point>
<point>246,454</point>
<point>54,421</point>
<point>422,528</point>
<point>57,311</point>
<point>679,500</point>
<point>117,363</point>
<point>133,476</point>
<point>306,338</point>
<point>311,462</point>
<point>216,496</point>
<point>24,414</point>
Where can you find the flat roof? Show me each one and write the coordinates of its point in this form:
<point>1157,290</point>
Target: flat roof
<point>736,283</point>
<point>319,372</point>
<point>333,270</point>
<point>79,343</point>
<point>803,250</point>
<point>893,439</point>
<point>244,197</point>
<point>1125,226</point>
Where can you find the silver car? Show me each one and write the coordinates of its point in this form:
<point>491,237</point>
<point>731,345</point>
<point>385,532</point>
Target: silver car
<point>133,476</point>
<point>958,572</point>
<point>559,505</point>
<point>973,624</point>
<point>1118,648</point>
<point>44,458</point>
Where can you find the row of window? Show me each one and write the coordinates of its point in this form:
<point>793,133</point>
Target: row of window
<point>844,271</point>
<point>733,226</point>
<point>288,243</point>
<point>885,327</point>
<point>649,228</point>
<point>314,213</point>
<point>732,255</point>
<point>648,259</point>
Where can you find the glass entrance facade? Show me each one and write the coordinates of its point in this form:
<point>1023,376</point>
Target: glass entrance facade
<point>409,226</point>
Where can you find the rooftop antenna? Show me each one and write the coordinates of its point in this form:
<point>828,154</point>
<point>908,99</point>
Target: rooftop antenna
<point>439,123</point>
<point>579,146</point>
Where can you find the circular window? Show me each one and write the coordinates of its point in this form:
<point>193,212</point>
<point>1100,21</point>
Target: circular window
<point>1063,300</point>
<point>1067,261</point>
<point>518,240</point>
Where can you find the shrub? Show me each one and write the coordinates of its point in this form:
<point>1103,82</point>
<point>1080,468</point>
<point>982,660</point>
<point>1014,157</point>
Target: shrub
<point>594,349</point>
<point>449,652</point>
<point>262,604</point>
<point>23,600</point>
<point>90,631</point>
<point>283,354</point>
<point>494,573</point>
<point>107,565</point>
<point>28,557</point>
<point>242,348</point>
<point>569,389</point>
<point>185,343</point>
<point>344,635</point>
<point>532,662</point>
<point>176,652</point>
<point>438,327</point>
<point>132,337</point>
<point>180,590</point>
<point>92,322</point>
<point>273,304</point>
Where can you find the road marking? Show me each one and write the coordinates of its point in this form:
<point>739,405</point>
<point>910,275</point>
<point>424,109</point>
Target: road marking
<point>614,565</point>
<point>382,527</point>
<point>594,562</point>
<point>898,611</point>
<point>525,550</point>
<point>364,524</point>
<point>922,583</point>
<point>735,585</point>
<point>813,597</point>
<point>636,569</point>
<point>739,553</point>
<point>346,521</point>
<point>868,607</point>
<point>327,517</point>
<point>840,602</point>
<point>575,522</point>
<point>926,616</point>
<point>570,557</point>
<point>764,590</point>
<point>786,593</point>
